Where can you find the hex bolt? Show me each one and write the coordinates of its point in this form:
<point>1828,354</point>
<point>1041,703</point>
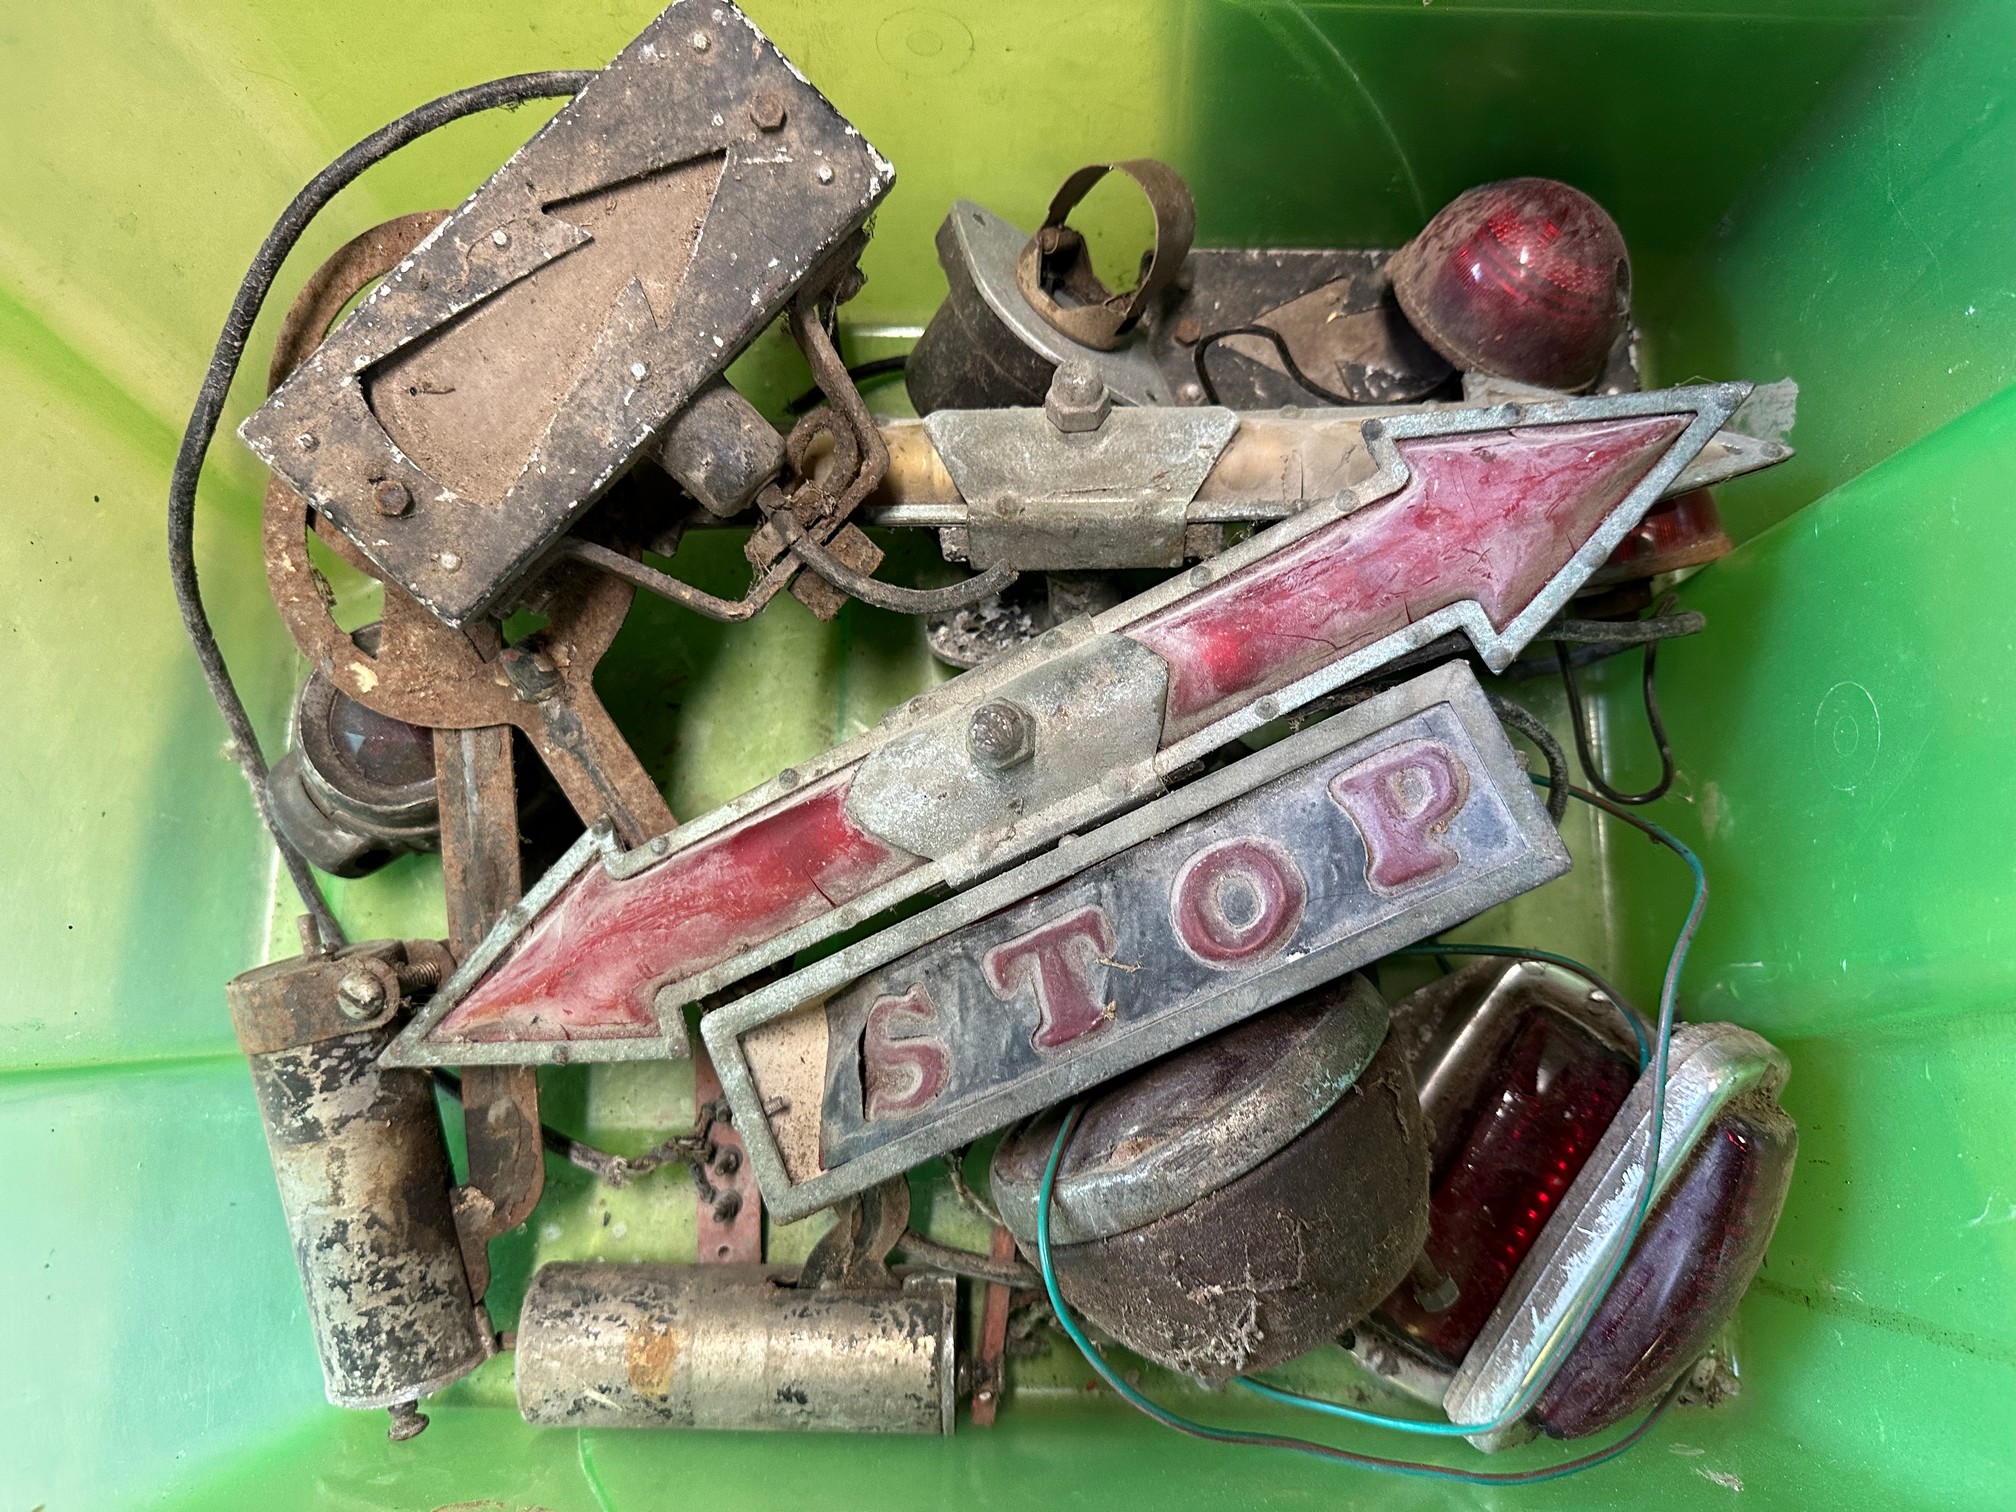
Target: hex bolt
<point>1077,401</point>
<point>392,497</point>
<point>408,1422</point>
<point>1001,735</point>
<point>766,109</point>
<point>360,995</point>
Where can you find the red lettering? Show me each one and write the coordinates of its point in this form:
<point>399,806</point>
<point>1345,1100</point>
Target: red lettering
<point>1236,900</point>
<point>1402,801</point>
<point>904,1066</point>
<point>1057,960</point>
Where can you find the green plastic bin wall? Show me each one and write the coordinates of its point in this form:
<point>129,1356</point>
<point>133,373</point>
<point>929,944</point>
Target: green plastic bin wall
<point>1819,188</point>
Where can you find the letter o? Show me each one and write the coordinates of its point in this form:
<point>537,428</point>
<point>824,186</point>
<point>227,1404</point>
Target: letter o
<point>1237,900</point>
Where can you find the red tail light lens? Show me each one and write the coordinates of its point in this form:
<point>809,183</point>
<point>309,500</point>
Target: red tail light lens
<point>387,751</point>
<point>1527,279</point>
<point>1680,532</point>
<point>1694,1259</point>
<point>1531,1130</point>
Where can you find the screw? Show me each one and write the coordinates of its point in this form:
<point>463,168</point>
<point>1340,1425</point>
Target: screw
<point>501,237</point>
<point>766,109</point>
<point>408,1421</point>
<point>1001,735</point>
<point>825,174</point>
<point>391,497</point>
<point>450,562</point>
<point>699,41</point>
<point>360,995</point>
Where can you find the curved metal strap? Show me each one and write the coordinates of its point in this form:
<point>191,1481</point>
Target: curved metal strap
<point>1056,257</point>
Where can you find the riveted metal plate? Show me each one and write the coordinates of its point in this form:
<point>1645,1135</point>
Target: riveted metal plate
<point>507,370</point>
<point>1038,498</point>
<point>1141,936</point>
<point>1095,709</point>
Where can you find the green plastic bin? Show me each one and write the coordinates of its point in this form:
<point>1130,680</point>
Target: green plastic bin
<point>1824,189</point>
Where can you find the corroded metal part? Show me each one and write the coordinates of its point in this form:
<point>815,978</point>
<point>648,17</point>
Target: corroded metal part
<point>1269,1264</point>
<point>364,1181</point>
<point>727,1207</point>
<point>480,880</point>
<point>512,366</point>
<point>734,1346</point>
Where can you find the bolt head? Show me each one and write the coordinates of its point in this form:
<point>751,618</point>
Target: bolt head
<point>1188,331</point>
<point>501,237</point>
<point>1078,400</point>
<point>359,995</point>
<point>766,109</point>
<point>1001,734</point>
<point>824,175</point>
<point>392,497</point>
<point>450,562</point>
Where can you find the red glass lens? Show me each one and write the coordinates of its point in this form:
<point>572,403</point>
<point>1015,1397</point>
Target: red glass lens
<point>1692,1263</point>
<point>1560,1089</point>
<point>1684,531</point>
<point>1527,279</point>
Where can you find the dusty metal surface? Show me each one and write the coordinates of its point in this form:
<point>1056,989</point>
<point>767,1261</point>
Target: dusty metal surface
<point>364,1181</point>
<point>922,1053</point>
<point>1277,1261</point>
<point>1056,261</point>
<point>305,999</point>
<point>727,1208</point>
<point>1115,496</point>
<point>1198,1120</point>
<point>1276,463</point>
<point>986,346</point>
<point>1088,712</point>
<point>1711,1066</point>
<point>480,880</point>
<point>721,450</point>
<point>509,368</point>
<point>734,1347</point>
<point>1334,308</point>
<point>990,1356</point>
<point>854,1252</point>
<point>1500,515</point>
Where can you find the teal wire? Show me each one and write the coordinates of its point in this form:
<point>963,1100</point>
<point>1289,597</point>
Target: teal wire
<point>1182,1424</point>
<point>1570,1335</point>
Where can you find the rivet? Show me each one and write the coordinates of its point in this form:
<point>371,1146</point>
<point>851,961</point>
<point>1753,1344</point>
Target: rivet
<point>1267,708</point>
<point>450,562</point>
<point>639,371</point>
<point>787,779</point>
<point>1200,576</point>
<point>825,174</point>
<point>501,237</point>
<point>699,41</point>
<point>306,441</point>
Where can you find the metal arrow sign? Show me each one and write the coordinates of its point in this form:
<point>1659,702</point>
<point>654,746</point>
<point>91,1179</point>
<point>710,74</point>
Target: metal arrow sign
<point>1480,521</point>
<point>1404,816</point>
<point>508,370</point>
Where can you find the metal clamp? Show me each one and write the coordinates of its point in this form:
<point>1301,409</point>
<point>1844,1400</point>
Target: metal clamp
<point>1057,258</point>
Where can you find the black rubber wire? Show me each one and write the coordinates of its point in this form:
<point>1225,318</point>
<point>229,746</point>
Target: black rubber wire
<point>1267,333</point>
<point>860,372</point>
<point>1528,724</point>
<point>1649,633</point>
<point>217,380</point>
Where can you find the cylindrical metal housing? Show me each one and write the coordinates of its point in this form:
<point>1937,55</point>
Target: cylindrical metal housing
<point>733,1346</point>
<point>721,450</point>
<point>364,1180</point>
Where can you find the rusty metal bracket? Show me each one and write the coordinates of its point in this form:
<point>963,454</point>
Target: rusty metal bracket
<point>1056,258</point>
<point>509,369</point>
<point>303,1000</point>
<point>427,673</point>
<point>854,1253</point>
